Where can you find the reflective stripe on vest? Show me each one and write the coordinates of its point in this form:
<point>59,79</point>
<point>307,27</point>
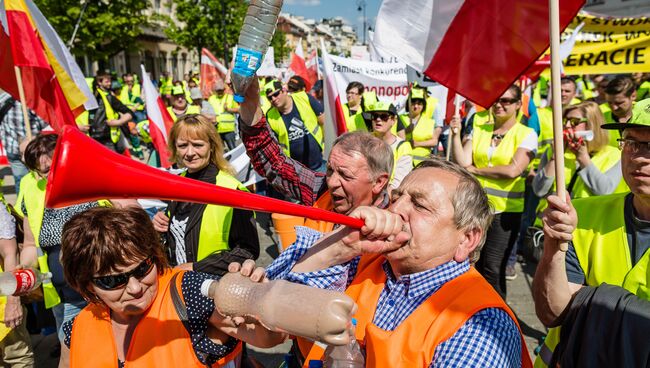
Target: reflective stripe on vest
<point>309,118</point>
<point>191,109</point>
<point>600,242</point>
<point>110,115</point>
<point>506,195</point>
<point>422,131</point>
<point>160,339</point>
<point>614,135</point>
<point>225,120</point>
<point>545,139</point>
<point>413,342</point>
<point>32,194</point>
<point>216,220</point>
<point>355,121</point>
<point>401,149</point>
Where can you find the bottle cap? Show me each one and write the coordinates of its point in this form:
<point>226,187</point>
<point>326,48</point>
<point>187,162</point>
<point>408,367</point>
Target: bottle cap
<point>354,322</point>
<point>205,288</point>
<point>315,364</point>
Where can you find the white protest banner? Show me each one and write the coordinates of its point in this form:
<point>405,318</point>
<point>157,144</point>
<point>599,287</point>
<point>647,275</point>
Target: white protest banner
<point>387,80</point>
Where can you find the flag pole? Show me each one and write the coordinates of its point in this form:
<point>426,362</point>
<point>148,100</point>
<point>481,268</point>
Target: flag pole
<point>558,137</point>
<point>23,104</point>
<point>449,138</point>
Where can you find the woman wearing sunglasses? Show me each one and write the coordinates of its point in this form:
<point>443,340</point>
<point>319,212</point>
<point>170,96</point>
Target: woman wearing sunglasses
<point>591,165</point>
<point>384,117</point>
<point>497,152</point>
<point>43,227</point>
<point>141,312</point>
<point>421,130</point>
<point>201,237</point>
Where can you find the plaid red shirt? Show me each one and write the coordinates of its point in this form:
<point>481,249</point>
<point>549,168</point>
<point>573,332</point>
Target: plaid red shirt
<point>285,174</point>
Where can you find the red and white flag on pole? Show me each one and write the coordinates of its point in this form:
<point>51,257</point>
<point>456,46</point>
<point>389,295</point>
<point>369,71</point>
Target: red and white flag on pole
<point>475,47</point>
<point>160,122</point>
<point>54,86</point>
<point>299,67</point>
<point>211,71</point>
<point>312,67</point>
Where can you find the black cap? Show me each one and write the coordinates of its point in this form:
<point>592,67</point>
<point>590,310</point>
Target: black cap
<point>296,83</point>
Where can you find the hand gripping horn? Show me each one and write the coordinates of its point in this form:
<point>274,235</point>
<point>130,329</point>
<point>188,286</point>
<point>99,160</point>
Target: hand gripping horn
<point>84,170</point>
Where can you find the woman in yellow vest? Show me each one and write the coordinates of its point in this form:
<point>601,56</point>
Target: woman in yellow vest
<point>384,117</point>
<point>591,165</point>
<point>421,130</point>
<point>141,312</point>
<point>203,237</point>
<point>43,227</point>
<point>498,152</point>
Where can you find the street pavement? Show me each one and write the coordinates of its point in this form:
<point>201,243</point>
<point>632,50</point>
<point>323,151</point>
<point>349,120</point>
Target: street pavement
<point>519,297</point>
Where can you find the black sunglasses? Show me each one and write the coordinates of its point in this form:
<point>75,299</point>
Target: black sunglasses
<point>504,101</point>
<point>382,117</point>
<point>273,95</point>
<point>112,282</point>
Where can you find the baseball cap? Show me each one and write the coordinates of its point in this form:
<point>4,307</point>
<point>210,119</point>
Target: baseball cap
<point>272,86</point>
<point>640,117</point>
<point>417,94</point>
<point>295,83</point>
<point>178,90</point>
<point>380,106</point>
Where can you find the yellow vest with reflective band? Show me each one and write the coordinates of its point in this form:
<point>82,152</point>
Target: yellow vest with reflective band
<point>355,121</point>
<point>403,148</point>
<point>643,91</point>
<point>130,101</point>
<point>423,131</point>
<point>166,86</point>
<point>216,220</point>
<point>225,120</point>
<point>614,135</point>
<point>506,195</point>
<point>110,115</point>
<point>587,87</point>
<point>604,160</point>
<point>143,131</point>
<point>600,241</point>
<point>307,115</point>
<point>33,190</point>
<point>545,138</point>
<point>265,103</point>
<point>191,109</point>
<point>432,103</point>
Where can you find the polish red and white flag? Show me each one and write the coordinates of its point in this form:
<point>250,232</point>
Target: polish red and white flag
<point>312,67</point>
<point>298,65</point>
<point>475,47</point>
<point>160,122</point>
<point>211,71</point>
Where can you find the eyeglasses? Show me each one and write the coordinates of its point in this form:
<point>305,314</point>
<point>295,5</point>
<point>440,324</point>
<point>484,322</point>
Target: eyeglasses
<point>352,93</point>
<point>273,95</point>
<point>504,101</point>
<point>574,122</point>
<point>632,146</point>
<point>382,117</point>
<point>112,282</point>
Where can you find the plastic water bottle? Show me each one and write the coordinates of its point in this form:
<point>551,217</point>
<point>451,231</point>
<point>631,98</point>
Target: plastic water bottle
<point>254,39</point>
<point>345,356</point>
<point>279,305</point>
<point>21,282</point>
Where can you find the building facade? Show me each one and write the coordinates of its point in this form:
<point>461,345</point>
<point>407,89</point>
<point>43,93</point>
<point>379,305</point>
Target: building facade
<point>619,8</point>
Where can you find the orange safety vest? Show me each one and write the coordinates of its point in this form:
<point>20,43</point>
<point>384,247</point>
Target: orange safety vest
<point>324,203</point>
<point>159,340</point>
<point>414,341</point>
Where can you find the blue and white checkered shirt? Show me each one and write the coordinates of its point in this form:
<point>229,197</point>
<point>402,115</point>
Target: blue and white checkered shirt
<point>489,338</point>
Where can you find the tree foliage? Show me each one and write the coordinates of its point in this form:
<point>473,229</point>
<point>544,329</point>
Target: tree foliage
<point>107,26</point>
<point>200,24</point>
<point>279,43</point>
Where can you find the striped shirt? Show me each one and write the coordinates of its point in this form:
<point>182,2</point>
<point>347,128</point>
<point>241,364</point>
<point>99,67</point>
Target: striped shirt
<point>490,338</point>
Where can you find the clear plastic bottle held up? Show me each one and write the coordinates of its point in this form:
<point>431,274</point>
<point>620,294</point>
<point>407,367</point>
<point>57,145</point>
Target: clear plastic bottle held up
<point>21,282</point>
<point>254,39</point>
<point>345,356</point>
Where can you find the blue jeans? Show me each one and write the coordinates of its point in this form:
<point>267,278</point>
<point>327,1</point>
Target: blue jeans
<point>63,312</point>
<point>18,170</point>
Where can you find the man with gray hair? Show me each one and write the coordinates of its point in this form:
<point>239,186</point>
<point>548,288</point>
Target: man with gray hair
<point>409,269</point>
<point>358,168</point>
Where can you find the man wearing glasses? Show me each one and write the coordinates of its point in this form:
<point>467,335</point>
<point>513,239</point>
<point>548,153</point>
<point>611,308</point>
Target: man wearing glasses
<point>609,236</point>
<point>297,119</point>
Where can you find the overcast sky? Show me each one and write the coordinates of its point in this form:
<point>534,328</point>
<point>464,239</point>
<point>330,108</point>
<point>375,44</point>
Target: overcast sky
<point>317,9</point>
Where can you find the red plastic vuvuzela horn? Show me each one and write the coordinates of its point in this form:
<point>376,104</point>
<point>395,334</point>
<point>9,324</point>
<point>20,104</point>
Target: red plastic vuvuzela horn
<point>84,170</point>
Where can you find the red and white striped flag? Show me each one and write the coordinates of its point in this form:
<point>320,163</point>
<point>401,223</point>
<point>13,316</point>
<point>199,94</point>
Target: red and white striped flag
<point>160,122</point>
<point>312,67</point>
<point>475,47</point>
<point>211,71</point>
<point>299,67</point>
